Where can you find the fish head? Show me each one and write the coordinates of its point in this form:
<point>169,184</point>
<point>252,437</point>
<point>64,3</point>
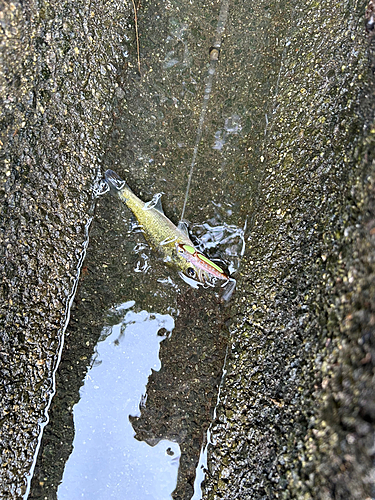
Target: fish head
<point>197,266</point>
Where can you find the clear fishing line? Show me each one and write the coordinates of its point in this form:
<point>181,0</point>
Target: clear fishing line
<point>214,56</point>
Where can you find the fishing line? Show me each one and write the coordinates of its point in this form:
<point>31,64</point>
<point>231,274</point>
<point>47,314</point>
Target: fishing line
<point>214,56</point>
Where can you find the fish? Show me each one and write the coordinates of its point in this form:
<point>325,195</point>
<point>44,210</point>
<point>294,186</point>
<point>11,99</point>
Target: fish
<point>173,242</point>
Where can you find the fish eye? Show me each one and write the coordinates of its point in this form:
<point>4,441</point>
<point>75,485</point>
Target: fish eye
<point>180,250</point>
<point>191,272</point>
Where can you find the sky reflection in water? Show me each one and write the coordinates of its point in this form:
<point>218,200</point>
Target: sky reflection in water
<point>107,462</point>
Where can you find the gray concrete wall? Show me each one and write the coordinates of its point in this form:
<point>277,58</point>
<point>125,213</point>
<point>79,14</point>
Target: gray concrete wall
<point>58,77</point>
<point>296,415</point>
<point>296,418</point>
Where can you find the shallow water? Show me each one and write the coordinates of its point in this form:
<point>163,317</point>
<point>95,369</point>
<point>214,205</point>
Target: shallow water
<point>107,462</point>
<point>158,123</point>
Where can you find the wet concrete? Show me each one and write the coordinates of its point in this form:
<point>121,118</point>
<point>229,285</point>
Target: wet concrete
<point>180,397</point>
<point>296,418</point>
<point>57,78</point>
<point>296,414</point>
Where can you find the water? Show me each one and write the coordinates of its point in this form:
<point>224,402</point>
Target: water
<point>158,138</point>
<point>107,462</point>
<point>214,56</point>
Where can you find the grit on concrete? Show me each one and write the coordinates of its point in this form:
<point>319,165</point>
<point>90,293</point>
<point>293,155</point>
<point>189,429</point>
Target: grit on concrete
<point>296,416</point>
<point>57,78</point>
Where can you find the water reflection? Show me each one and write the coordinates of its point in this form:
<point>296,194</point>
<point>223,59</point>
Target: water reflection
<point>155,128</point>
<point>107,462</point>
<point>232,126</point>
<point>181,396</point>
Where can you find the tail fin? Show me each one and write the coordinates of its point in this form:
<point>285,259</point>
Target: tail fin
<point>114,181</point>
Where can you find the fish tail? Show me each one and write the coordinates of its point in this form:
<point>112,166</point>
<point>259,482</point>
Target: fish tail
<point>114,181</point>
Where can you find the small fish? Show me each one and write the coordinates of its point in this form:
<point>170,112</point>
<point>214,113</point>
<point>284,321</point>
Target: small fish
<point>173,242</point>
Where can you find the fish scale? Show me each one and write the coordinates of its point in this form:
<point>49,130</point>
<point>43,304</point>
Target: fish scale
<point>162,234</point>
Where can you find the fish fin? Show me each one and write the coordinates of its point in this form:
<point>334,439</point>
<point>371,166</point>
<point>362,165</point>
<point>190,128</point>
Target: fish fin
<point>182,226</point>
<point>113,180</point>
<point>102,187</point>
<point>158,206</point>
<point>155,203</point>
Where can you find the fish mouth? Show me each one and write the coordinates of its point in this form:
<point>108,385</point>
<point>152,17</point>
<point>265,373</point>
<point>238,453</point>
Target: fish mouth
<point>205,278</point>
<point>193,272</point>
<point>198,276</point>
<point>201,267</point>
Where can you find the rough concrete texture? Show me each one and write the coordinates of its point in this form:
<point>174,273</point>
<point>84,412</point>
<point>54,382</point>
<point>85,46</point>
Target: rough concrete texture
<point>57,80</point>
<point>297,414</point>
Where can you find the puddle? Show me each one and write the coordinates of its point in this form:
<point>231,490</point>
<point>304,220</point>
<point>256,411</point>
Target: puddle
<point>107,462</point>
<point>182,130</point>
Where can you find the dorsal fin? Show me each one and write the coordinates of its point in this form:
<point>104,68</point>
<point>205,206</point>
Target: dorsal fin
<point>155,203</point>
<point>182,226</point>
<point>158,206</point>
